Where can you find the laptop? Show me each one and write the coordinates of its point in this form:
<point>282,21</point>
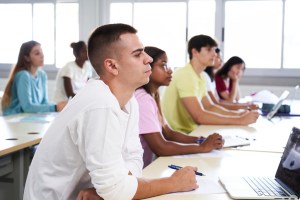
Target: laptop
<point>276,107</point>
<point>294,111</point>
<point>286,183</point>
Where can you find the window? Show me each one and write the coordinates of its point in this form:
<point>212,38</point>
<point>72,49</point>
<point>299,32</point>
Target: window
<point>291,34</point>
<point>201,18</point>
<point>253,32</point>
<point>14,31</point>
<point>164,24</point>
<point>264,33</point>
<point>54,25</point>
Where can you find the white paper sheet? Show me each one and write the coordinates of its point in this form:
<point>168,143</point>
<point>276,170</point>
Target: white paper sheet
<point>206,186</point>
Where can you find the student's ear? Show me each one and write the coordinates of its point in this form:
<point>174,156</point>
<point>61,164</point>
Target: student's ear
<point>111,66</point>
<point>194,51</point>
<point>27,58</point>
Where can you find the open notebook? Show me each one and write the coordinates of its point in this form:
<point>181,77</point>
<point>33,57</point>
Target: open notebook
<point>285,184</point>
<point>235,141</point>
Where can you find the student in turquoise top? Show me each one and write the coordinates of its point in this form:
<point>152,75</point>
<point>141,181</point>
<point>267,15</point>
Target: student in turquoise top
<point>26,90</point>
<point>185,103</point>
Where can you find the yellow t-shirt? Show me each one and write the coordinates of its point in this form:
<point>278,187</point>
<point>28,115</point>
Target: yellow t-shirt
<point>185,83</point>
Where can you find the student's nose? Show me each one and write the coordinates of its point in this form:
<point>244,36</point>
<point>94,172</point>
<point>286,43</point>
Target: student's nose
<point>148,59</point>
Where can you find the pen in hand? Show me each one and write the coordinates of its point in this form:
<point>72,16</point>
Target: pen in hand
<point>178,167</point>
<point>200,140</point>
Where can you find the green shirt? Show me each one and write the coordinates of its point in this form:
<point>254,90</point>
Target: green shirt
<point>185,83</point>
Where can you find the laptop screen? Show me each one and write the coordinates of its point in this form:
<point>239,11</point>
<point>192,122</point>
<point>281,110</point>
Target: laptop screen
<point>276,107</point>
<point>288,170</point>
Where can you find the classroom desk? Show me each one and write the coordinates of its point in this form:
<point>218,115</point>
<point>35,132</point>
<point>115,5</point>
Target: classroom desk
<point>261,157</point>
<point>264,135</point>
<point>225,162</point>
<point>18,133</point>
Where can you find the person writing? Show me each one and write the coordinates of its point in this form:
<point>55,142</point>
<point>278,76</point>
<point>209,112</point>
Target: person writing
<point>157,138</point>
<point>185,103</point>
<point>99,131</point>
<point>209,74</point>
<point>74,75</point>
<point>227,79</point>
<point>26,89</point>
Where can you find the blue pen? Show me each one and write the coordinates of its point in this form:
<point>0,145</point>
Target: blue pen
<point>200,140</point>
<point>178,167</point>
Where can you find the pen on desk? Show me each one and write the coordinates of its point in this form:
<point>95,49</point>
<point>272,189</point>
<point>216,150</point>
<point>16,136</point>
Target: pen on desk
<point>178,167</point>
<point>244,138</point>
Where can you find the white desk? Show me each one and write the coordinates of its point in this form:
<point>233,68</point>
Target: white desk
<point>230,162</point>
<point>18,133</point>
<point>260,158</point>
<point>264,135</point>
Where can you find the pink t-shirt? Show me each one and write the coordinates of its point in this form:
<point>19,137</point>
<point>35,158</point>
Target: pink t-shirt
<point>148,121</point>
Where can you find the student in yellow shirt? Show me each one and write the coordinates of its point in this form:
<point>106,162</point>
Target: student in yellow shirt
<point>185,103</point>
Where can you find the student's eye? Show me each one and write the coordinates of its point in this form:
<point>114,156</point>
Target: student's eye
<point>137,54</point>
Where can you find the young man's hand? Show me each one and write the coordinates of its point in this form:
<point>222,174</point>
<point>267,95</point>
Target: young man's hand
<point>185,179</point>
<point>88,194</point>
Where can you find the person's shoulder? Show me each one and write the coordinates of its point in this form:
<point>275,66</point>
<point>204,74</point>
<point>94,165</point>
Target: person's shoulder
<point>41,73</point>
<point>22,74</point>
<point>183,71</point>
<point>69,65</point>
<point>141,94</point>
<point>96,94</point>
<point>87,64</point>
<point>218,78</point>
<point>205,74</point>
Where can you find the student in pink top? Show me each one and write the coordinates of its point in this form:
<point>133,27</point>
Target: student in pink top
<point>157,138</point>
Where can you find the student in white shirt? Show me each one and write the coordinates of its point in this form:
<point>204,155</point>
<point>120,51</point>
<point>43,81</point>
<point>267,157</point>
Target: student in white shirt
<point>94,142</point>
<point>74,75</point>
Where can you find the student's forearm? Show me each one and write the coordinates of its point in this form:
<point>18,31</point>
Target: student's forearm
<point>233,106</point>
<point>170,148</point>
<point>222,110</point>
<point>233,92</point>
<point>210,118</point>
<point>153,187</point>
<point>182,138</point>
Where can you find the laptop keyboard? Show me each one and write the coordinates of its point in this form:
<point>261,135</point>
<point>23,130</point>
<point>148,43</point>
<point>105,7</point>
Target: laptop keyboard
<point>265,186</point>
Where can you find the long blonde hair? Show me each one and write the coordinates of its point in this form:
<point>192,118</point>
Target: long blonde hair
<point>22,64</point>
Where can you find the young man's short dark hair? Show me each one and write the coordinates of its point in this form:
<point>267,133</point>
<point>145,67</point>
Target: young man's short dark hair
<point>199,41</point>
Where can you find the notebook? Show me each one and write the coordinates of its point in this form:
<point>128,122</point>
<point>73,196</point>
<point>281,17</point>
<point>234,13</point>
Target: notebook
<point>235,141</point>
<point>286,181</point>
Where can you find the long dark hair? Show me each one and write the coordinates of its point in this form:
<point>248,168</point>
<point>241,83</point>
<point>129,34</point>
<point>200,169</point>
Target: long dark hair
<point>223,72</point>
<point>22,64</point>
<point>155,53</point>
